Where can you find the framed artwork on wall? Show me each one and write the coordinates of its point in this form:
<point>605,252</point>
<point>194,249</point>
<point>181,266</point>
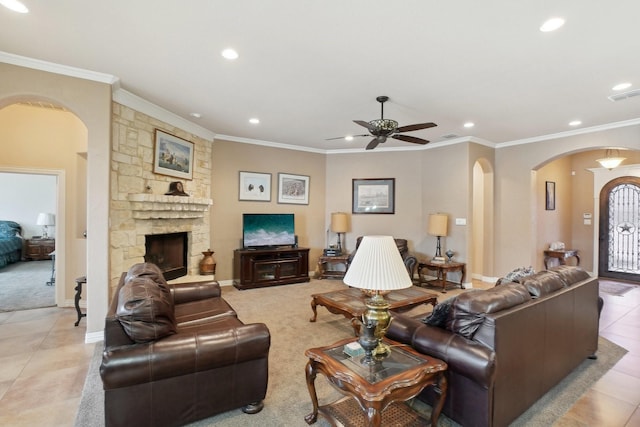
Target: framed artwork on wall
<point>293,189</point>
<point>550,195</point>
<point>254,186</point>
<point>374,196</point>
<point>173,156</point>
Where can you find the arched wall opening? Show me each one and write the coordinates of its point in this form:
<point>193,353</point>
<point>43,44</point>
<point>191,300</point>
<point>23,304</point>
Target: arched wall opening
<point>482,220</point>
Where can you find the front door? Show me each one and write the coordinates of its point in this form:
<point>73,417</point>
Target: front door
<point>619,237</point>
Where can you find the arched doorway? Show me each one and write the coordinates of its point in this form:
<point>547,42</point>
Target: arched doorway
<point>619,229</point>
<point>482,221</point>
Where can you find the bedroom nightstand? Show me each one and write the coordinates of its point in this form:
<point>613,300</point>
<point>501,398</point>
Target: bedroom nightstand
<point>39,249</point>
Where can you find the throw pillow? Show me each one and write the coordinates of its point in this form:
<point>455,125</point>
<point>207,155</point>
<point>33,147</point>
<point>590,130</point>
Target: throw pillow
<point>145,310</point>
<point>440,314</point>
<point>518,274</point>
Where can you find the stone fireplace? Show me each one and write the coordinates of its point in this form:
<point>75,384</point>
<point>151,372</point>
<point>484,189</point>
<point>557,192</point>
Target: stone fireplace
<point>140,209</point>
<point>169,252</point>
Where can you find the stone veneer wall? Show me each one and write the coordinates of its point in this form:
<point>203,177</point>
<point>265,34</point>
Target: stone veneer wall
<point>132,174</point>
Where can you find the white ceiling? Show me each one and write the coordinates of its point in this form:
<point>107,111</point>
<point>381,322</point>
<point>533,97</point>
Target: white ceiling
<point>308,68</point>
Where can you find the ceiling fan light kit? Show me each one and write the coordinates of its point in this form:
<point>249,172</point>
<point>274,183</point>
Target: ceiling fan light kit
<point>382,128</point>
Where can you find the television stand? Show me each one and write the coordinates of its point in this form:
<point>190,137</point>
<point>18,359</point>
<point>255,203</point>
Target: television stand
<point>258,268</point>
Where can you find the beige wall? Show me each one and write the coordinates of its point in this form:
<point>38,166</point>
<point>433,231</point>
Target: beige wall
<point>518,192</point>
<point>229,158</point>
<point>40,139</point>
<point>90,101</point>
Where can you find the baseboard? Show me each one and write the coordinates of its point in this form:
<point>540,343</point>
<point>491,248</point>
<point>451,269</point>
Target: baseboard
<point>91,337</point>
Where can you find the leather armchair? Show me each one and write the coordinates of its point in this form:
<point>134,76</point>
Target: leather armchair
<point>177,354</point>
<point>410,261</point>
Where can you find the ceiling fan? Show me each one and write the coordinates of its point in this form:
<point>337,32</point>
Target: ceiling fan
<point>382,128</point>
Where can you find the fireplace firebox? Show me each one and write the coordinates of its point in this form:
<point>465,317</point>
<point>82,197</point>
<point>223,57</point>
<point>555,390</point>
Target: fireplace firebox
<point>169,252</point>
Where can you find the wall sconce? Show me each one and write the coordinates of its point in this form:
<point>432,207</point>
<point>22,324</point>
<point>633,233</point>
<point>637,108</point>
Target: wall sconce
<point>611,159</point>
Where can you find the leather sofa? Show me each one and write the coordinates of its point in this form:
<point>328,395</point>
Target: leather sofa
<point>409,260</point>
<point>174,354</point>
<point>507,346</point>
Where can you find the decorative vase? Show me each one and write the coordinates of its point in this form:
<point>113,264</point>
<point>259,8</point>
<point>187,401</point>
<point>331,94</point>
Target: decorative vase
<point>449,254</point>
<point>208,263</point>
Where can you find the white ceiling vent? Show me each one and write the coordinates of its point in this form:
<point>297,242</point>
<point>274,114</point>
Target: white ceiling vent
<point>625,95</point>
<point>450,136</point>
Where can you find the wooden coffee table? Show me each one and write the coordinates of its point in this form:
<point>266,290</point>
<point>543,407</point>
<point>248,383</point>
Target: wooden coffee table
<point>350,302</point>
<point>379,390</point>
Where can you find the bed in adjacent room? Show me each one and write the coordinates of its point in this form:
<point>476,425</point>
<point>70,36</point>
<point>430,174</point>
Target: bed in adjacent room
<point>10,242</point>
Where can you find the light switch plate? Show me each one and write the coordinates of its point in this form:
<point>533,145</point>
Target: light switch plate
<point>461,221</point>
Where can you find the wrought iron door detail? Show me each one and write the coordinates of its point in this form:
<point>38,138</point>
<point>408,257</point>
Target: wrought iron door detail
<point>624,218</point>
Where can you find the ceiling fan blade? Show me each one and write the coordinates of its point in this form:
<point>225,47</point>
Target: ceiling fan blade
<point>418,126</point>
<point>365,124</point>
<point>375,141</point>
<point>409,138</point>
<point>344,137</point>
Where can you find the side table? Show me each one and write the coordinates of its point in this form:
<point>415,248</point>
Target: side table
<point>375,389</point>
<point>441,269</point>
<point>327,264</point>
<point>561,256</point>
<point>79,282</point>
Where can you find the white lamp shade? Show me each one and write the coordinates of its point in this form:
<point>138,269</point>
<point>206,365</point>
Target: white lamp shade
<point>377,265</point>
<point>437,224</point>
<point>339,222</point>
<point>46,219</point>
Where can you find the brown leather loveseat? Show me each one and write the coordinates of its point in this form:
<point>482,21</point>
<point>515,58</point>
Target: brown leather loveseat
<point>178,353</point>
<point>508,345</point>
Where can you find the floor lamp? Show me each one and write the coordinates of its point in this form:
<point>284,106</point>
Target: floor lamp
<point>437,226</point>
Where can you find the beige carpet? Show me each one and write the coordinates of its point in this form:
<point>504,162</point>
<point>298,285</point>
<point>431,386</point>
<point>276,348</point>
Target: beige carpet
<point>23,286</point>
<point>286,311</point>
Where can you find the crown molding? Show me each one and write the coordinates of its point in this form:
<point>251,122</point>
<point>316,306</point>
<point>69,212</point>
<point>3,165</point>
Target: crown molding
<point>65,70</point>
<point>130,100</point>
<point>270,144</point>
<point>569,133</point>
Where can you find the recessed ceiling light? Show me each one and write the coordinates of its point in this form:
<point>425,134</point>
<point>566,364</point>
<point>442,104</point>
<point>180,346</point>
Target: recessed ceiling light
<point>230,54</point>
<point>14,5</point>
<point>469,124</point>
<point>196,115</point>
<point>551,24</point>
<point>621,86</point>
<point>575,123</point>
<point>254,121</point>
<point>348,138</point>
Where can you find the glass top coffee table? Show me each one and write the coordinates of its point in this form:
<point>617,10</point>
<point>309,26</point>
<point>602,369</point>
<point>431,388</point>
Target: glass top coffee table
<point>350,302</point>
<point>379,390</point>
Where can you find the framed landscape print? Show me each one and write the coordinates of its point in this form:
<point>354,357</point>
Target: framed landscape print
<point>293,189</point>
<point>255,186</point>
<point>374,196</point>
<point>173,156</point>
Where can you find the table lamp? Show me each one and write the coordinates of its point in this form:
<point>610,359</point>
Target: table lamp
<point>45,220</point>
<point>339,224</point>
<point>437,226</point>
<point>377,266</point>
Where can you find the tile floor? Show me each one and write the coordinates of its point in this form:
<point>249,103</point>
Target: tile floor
<point>43,363</point>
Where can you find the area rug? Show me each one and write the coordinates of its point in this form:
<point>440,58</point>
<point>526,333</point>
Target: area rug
<point>286,311</point>
<point>23,286</point>
<point>615,288</point>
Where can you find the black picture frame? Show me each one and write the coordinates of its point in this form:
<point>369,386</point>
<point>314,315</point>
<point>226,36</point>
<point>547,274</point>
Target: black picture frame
<point>373,196</point>
<point>550,195</point>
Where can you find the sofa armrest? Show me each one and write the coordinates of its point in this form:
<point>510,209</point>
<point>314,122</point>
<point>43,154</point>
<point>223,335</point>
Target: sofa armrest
<point>183,353</point>
<point>195,291</point>
<point>465,357</point>
<point>402,328</point>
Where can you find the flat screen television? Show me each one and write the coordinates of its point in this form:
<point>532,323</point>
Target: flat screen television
<point>268,230</point>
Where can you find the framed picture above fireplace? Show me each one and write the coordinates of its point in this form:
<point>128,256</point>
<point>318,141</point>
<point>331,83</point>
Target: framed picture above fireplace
<point>172,156</point>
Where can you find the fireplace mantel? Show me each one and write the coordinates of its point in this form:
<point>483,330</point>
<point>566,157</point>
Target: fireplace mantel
<point>156,206</point>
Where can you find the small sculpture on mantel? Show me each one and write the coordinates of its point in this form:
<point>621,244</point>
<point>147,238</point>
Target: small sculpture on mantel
<point>176,189</point>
